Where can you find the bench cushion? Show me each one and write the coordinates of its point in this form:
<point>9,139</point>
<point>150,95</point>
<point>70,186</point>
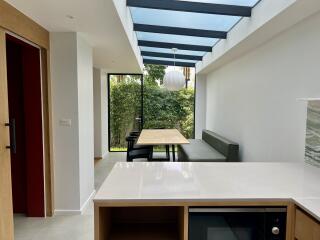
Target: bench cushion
<point>199,151</point>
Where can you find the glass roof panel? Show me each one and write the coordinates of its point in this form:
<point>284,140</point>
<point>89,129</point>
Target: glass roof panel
<point>168,38</point>
<point>170,59</point>
<point>183,19</point>
<point>168,50</point>
<point>249,3</point>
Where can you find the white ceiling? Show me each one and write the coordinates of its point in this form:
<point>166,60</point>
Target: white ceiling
<point>96,20</point>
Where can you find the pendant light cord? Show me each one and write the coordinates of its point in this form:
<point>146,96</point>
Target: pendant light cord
<point>174,58</point>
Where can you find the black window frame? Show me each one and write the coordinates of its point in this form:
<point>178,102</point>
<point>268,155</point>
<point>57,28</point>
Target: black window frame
<point>142,105</point>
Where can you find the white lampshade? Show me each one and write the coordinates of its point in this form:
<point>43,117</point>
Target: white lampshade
<point>174,80</point>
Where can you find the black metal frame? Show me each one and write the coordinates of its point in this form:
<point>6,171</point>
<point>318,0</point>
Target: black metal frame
<point>108,86</point>
<point>168,63</point>
<point>185,6</point>
<point>199,48</point>
<point>179,31</point>
<point>142,103</point>
<point>170,55</point>
<point>196,7</point>
<point>194,102</point>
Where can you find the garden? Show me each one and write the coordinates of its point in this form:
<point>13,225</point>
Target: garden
<point>135,102</point>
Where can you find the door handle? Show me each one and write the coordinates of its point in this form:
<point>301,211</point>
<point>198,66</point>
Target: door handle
<point>13,140</point>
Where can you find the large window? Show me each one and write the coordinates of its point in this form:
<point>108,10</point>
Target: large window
<point>141,101</point>
<point>125,108</point>
<point>166,109</point>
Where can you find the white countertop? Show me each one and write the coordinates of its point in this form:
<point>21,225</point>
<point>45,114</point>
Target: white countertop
<point>214,181</point>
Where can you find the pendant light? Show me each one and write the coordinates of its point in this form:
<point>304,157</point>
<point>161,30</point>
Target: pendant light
<point>174,80</point>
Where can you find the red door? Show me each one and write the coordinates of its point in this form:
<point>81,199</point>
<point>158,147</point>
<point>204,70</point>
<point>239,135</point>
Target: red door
<point>25,113</point>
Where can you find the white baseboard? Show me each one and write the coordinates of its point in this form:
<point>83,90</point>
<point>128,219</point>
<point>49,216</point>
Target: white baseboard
<point>59,212</point>
<point>86,203</point>
<point>104,155</point>
<point>67,212</point>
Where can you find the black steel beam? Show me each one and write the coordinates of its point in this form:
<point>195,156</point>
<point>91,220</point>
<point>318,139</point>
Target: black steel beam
<point>174,45</point>
<point>197,7</point>
<point>168,63</point>
<point>179,31</point>
<point>170,55</point>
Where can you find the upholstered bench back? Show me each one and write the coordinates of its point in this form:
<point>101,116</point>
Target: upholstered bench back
<point>224,146</point>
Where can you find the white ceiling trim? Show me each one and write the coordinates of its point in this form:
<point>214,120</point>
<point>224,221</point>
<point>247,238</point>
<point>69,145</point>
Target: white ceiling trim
<point>97,21</point>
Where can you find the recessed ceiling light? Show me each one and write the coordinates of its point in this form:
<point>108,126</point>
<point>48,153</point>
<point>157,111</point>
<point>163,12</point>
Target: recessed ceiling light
<point>70,16</point>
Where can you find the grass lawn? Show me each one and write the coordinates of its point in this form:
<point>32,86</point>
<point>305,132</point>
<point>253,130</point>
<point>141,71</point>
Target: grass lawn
<point>122,149</point>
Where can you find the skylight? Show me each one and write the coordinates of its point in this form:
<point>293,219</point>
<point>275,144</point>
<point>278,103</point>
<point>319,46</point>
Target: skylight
<point>191,26</point>
<point>183,19</point>
<point>249,3</point>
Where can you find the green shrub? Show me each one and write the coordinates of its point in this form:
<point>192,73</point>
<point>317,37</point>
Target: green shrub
<point>161,108</point>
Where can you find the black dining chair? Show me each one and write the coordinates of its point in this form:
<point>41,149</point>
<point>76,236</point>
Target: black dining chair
<point>136,134</point>
<point>135,152</point>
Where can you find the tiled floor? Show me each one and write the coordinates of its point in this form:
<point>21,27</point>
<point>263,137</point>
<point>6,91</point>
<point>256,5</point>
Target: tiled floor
<point>79,227</point>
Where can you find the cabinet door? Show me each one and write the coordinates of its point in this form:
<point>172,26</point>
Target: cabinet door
<point>6,212</point>
<point>306,228</point>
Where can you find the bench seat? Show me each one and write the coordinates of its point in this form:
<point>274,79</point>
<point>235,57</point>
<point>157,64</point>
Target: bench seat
<point>211,148</point>
<point>199,151</point>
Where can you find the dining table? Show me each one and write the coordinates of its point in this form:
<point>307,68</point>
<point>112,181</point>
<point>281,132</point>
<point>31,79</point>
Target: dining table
<point>162,137</point>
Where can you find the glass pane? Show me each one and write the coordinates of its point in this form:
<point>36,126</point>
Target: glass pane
<point>125,108</point>
<point>168,50</point>
<point>249,3</point>
<point>176,39</point>
<point>183,19</point>
<point>169,59</point>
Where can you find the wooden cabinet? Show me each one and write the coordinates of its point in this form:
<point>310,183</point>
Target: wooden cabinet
<point>141,223</point>
<point>306,228</point>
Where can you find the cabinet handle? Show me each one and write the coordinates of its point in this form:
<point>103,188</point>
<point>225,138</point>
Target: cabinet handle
<point>13,140</point>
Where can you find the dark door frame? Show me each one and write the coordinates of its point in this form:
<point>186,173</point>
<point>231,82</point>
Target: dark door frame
<point>141,101</point>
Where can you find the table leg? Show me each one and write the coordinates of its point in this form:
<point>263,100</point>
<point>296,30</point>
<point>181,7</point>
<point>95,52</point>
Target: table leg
<point>173,154</point>
<point>168,152</point>
<point>151,148</point>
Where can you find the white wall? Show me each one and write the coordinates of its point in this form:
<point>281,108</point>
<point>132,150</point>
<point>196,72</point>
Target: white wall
<point>100,113</point>
<point>201,105</point>
<point>104,113</point>
<point>85,112</point>
<point>71,77</point>
<point>97,112</point>
<point>63,54</point>
<point>253,100</point>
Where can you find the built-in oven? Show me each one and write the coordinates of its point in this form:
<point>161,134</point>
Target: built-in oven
<point>237,223</point>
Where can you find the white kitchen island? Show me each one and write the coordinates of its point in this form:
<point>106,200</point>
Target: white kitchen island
<point>158,190</point>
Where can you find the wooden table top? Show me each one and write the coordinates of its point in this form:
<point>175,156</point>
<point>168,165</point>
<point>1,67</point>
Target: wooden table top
<point>161,137</point>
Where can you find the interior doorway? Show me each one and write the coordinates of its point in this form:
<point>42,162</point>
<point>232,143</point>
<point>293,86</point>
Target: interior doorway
<point>26,127</point>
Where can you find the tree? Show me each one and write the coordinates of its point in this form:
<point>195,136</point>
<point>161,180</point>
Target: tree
<point>154,73</point>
